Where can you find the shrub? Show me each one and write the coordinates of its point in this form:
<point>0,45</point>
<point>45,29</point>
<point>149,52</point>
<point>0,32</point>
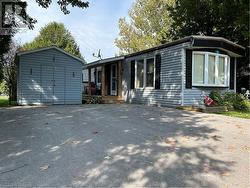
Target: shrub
<point>216,96</point>
<point>237,101</point>
<point>94,100</point>
<point>241,103</point>
<point>229,99</point>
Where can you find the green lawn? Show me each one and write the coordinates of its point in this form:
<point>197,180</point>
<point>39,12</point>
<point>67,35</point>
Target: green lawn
<point>245,115</point>
<point>4,101</point>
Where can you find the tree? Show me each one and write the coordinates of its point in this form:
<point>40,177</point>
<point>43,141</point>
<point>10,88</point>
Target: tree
<point>224,18</point>
<point>3,88</point>
<point>148,26</point>
<point>9,68</point>
<point>54,34</point>
<point>64,4</point>
<point>30,22</point>
<point>4,41</point>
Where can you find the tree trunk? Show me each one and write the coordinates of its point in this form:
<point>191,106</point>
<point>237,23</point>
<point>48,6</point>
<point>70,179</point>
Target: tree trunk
<point>9,95</point>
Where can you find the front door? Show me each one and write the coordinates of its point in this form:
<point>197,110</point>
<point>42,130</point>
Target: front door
<point>47,84</point>
<point>113,80</point>
<point>59,85</point>
<point>53,85</point>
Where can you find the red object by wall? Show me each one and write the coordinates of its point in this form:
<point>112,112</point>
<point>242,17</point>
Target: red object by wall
<point>208,101</point>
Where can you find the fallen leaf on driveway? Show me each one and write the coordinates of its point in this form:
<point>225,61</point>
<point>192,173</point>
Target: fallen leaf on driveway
<point>206,167</point>
<point>231,147</point>
<point>245,148</point>
<point>185,139</point>
<point>231,162</point>
<point>172,142</point>
<point>238,126</point>
<point>216,137</point>
<point>172,149</point>
<point>107,157</point>
<point>224,173</point>
<point>44,167</point>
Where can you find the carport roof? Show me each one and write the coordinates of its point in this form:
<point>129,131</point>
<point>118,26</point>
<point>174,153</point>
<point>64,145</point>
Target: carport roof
<point>48,48</point>
<point>103,61</point>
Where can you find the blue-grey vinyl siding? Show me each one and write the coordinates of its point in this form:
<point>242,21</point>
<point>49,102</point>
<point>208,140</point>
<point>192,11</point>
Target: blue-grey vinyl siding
<point>170,92</point>
<point>49,77</point>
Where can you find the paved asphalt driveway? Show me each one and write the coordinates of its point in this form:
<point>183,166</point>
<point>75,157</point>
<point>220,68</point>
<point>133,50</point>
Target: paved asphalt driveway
<point>121,145</point>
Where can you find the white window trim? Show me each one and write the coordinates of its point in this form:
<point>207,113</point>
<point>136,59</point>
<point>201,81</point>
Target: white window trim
<point>227,69</point>
<point>144,73</point>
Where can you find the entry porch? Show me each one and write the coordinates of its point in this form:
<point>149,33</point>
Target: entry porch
<point>103,80</point>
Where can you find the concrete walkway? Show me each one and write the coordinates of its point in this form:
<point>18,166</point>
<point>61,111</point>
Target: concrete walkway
<point>122,146</point>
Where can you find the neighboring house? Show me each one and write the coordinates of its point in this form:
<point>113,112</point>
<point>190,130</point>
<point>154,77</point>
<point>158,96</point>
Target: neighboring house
<point>178,73</point>
<point>49,76</point>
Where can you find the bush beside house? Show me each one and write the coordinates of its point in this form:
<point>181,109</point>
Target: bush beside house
<point>229,101</point>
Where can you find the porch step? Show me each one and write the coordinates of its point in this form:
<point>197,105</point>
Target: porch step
<point>105,99</point>
<point>112,100</point>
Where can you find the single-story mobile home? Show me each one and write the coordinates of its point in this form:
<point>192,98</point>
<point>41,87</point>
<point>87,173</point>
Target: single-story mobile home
<point>178,73</point>
<point>49,76</point>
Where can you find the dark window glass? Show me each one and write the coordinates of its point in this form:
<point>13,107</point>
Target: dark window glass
<point>140,73</point>
<point>99,76</point>
<point>150,73</point>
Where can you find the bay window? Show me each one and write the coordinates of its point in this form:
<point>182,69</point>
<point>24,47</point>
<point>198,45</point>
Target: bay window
<point>210,69</point>
<point>221,71</point>
<point>199,68</point>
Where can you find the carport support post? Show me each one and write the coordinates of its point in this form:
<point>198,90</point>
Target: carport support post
<point>119,78</point>
<point>103,80</point>
<point>89,81</point>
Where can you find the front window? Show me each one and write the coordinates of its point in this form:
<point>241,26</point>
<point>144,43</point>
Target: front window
<point>145,73</point>
<point>150,73</point>
<point>140,73</point>
<point>210,69</point>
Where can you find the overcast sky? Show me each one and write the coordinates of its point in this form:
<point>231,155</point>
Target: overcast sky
<point>93,28</point>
